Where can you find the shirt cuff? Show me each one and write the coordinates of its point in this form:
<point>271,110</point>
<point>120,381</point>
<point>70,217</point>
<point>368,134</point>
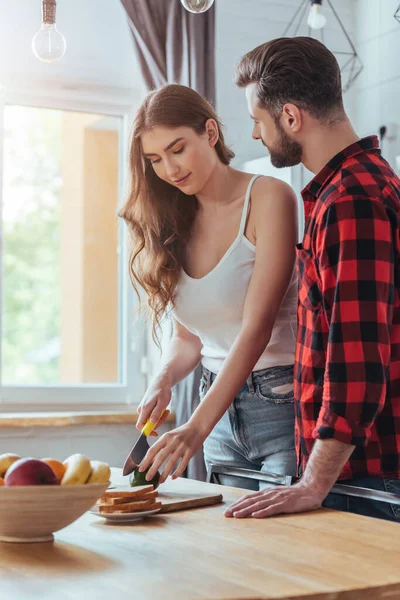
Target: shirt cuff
<point>332,426</point>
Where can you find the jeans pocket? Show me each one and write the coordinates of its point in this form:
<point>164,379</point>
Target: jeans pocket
<point>276,385</point>
<point>393,486</point>
<point>265,393</point>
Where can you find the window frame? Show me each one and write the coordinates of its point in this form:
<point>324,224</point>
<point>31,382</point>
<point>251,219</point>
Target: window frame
<point>132,338</point>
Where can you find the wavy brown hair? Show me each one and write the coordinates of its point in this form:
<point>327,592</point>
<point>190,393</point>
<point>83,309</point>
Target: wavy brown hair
<point>160,217</point>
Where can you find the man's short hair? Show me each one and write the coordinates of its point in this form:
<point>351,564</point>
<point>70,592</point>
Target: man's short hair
<point>299,70</point>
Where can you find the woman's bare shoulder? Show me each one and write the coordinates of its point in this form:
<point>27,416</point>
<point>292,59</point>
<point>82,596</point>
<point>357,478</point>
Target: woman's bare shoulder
<point>270,191</point>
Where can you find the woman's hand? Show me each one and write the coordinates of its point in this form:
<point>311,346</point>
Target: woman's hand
<point>155,400</point>
<point>181,445</point>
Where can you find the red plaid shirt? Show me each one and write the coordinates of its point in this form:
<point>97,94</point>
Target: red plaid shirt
<point>347,370</point>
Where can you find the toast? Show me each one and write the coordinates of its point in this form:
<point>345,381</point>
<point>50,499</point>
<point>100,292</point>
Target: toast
<point>153,506</point>
<point>137,506</point>
<point>124,499</point>
<point>128,492</point>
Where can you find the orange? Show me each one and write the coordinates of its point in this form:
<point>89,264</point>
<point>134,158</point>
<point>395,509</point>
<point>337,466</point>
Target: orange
<point>1,481</point>
<point>57,466</point>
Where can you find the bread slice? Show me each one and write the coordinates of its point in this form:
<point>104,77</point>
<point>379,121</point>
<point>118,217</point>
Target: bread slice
<point>153,506</point>
<point>128,492</point>
<point>150,495</point>
<point>124,499</point>
<point>137,506</point>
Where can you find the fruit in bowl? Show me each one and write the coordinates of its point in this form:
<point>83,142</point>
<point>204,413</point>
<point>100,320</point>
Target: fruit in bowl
<point>6,460</point>
<point>100,472</point>
<point>79,470</point>
<point>58,467</point>
<point>30,471</point>
<point>51,502</point>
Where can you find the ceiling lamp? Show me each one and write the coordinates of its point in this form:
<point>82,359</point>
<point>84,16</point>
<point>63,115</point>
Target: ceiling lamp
<point>310,19</point>
<point>197,6</point>
<point>316,20</point>
<point>48,44</point>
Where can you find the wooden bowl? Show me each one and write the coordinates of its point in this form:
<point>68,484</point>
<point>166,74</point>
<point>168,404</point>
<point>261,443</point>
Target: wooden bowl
<point>32,513</point>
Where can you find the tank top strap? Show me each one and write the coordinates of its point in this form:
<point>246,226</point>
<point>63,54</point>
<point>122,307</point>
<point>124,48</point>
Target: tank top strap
<point>246,205</point>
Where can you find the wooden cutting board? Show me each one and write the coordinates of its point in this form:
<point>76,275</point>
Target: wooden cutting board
<point>172,501</point>
<point>171,494</point>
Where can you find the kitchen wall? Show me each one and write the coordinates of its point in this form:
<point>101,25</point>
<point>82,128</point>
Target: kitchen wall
<point>242,26</point>
<point>378,87</point>
<point>110,443</point>
<point>99,44</point>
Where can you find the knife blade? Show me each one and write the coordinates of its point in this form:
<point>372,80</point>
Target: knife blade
<point>139,450</point>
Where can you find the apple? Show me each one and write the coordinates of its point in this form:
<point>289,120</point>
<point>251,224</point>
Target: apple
<point>30,471</point>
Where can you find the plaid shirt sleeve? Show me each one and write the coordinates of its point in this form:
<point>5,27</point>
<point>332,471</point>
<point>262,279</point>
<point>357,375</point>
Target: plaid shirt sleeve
<point>354,256</point>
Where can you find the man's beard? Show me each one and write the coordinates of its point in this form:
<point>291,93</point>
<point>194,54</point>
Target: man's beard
<point>286,153</point>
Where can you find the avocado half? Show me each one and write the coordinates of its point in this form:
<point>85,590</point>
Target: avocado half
<point>136,478</point>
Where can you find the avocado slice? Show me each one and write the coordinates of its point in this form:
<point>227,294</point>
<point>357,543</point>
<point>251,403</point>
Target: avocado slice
<point>136,478</point>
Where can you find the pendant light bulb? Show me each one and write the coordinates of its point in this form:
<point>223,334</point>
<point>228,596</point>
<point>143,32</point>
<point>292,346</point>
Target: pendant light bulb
<point>197,6</point>
<point>316,20</point>
<point>48,43</point>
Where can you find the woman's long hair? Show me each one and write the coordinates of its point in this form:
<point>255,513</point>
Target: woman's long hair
<point>159,216</point>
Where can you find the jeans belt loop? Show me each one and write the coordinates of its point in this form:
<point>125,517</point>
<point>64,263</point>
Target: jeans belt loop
<point>250,383</point>
<point>208,379</point>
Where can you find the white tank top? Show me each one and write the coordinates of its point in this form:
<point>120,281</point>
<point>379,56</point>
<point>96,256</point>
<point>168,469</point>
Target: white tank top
<point>211,307</point>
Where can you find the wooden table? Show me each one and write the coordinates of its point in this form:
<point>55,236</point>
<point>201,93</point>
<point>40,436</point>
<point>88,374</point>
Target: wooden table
<point>199,554</point>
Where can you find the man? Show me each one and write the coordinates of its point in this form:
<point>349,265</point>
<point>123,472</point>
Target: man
<point>347,371</point>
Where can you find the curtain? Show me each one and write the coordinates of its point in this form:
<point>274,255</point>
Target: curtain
<point>175,46</point>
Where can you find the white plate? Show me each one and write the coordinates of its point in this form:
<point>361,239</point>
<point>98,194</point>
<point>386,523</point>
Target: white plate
<point>124,517</point>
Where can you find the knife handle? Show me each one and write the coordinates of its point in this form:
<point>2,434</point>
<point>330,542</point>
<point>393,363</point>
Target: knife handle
<point>149,427</point>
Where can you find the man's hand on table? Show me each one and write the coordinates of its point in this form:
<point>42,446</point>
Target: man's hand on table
<point>281,499</point>
<point>327,460</point>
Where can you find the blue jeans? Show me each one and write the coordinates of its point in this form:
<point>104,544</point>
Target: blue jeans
<point>363,506</point>
<point>257,430</point>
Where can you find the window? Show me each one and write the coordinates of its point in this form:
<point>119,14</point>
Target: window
<point>67,329</point>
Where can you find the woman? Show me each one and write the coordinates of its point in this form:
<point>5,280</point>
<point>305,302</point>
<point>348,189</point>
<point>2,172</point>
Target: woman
<point>217,247</point>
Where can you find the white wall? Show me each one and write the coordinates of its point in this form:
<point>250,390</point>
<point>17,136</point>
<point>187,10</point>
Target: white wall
<point>378,87</point>
<point>110,443</point>
<point>243,25</point>
<point>99,45</point>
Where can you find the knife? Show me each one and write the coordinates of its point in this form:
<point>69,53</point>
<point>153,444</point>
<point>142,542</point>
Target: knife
<point>139,450</point>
